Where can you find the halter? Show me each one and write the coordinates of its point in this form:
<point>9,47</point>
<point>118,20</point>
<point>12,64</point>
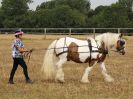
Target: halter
<point>120,44</point>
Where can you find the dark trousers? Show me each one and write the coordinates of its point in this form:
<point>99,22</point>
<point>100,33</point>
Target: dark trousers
<point>21,62</point>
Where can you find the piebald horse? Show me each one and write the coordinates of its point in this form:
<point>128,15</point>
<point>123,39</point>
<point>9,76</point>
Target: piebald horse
<point>91,51</point>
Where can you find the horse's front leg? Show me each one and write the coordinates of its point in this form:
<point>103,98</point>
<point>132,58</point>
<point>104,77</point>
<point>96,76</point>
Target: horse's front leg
<point>86,74</point>
<point>107,77</point>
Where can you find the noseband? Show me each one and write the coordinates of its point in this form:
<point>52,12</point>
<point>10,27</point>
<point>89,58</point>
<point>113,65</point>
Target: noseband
<point>120,44</point>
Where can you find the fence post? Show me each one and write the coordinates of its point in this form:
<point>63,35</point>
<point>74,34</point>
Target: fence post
<point>94,30</point>
<point>70,30</point>
<point>45,33</point>
<point>119,30</point>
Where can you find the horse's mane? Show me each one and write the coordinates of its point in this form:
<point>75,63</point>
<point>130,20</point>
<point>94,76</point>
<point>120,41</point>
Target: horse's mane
<point>108,38</point>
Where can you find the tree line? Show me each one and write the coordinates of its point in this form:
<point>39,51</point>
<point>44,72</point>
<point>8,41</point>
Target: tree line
<point>65,14</point>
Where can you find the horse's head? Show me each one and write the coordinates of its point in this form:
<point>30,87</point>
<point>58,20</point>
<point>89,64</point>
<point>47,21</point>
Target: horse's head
<point>120,45</point>
<point>112,40</point>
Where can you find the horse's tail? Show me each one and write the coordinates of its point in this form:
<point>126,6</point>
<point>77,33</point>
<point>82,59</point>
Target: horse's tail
<point>50,58</point>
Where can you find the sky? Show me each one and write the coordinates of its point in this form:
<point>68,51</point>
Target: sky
<point>94,3</point>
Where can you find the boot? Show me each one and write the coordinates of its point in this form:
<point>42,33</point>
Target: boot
<point>28,81</point>
<point>10,82</point>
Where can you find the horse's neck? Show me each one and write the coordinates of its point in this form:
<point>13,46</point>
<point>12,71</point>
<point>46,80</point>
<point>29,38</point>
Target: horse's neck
<point>109,40</point>
<point>99,43</point>
<point>93,42</point>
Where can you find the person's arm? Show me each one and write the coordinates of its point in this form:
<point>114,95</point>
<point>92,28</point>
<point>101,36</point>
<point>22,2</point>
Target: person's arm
<point>19,46</point>
<point>21,50</point>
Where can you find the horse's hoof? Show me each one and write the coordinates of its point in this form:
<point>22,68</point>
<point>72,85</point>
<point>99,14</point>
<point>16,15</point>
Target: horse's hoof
<point>60,81</point>
<point>110,79</point>
<point>84,82</point>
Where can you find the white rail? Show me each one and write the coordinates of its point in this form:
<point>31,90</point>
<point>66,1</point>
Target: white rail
<point>66,31</point>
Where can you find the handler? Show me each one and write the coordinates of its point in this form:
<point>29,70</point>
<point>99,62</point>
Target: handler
<point>17,54</point>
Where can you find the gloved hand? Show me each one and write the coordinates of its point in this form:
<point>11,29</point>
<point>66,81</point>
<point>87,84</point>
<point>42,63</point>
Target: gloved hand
<point>31,50</point>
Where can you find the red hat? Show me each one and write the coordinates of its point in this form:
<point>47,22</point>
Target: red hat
<point>19,33</point>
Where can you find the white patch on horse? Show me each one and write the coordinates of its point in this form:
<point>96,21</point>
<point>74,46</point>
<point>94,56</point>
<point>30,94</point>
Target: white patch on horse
<point>84,51</point>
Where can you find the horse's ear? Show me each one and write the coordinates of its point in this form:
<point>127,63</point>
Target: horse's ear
<point>121,35</point>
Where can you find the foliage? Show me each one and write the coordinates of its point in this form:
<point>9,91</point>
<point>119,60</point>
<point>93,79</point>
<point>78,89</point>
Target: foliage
<point>14,7</point>
<point>112,16</point>
<point>65,13</point>
<point>61,16</point>
<point>127,3</point>
<point>1,18</point>
<point>81,5</point>
<point>13,11</point>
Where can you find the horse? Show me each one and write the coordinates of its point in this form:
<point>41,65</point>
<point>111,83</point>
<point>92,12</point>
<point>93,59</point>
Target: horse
<point>90,51</point>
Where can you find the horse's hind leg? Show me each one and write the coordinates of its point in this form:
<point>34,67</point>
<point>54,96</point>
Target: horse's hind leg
<point>107,77</point>
<point>86,73</point>
<point>60,74</point>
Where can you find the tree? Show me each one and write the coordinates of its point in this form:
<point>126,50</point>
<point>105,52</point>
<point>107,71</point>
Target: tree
<point>113,16</point>
<point>46,5</point>
<point>61,16</point>
<point>96,11</point>
<point>127,3</point>
<point>1,18</point>
<point>100,9</point>
<point>12,10</point>
<point>15,7</point>
<point>81,5</point>
<point>67,17</point>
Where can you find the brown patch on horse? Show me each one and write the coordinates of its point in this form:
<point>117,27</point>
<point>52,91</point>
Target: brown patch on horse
<point>100,57</point>
<point>104,52</point>
<point>92,62</point>
<point>73,53</point>
<point>118,44</point>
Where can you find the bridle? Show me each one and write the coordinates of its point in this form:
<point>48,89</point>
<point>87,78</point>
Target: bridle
<point>120,44</point>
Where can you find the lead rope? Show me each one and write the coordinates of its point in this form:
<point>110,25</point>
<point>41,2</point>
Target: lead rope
<point>28,55</point>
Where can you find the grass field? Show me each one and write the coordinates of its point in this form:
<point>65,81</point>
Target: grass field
<point>120,67</point>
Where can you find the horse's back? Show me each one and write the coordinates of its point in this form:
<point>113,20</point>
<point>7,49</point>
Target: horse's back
<point>66,41</point>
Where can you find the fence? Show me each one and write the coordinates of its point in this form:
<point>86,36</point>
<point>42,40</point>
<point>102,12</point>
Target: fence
<point>68,31</point>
